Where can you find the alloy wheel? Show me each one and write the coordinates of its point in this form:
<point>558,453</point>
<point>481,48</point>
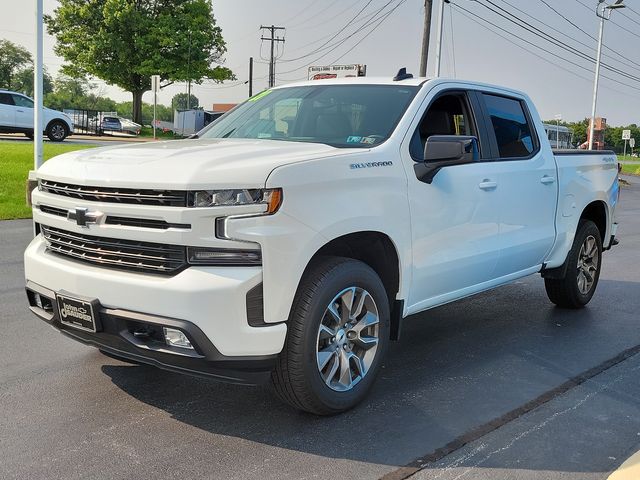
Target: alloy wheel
<point>348,338</point>
<point>588,259</point>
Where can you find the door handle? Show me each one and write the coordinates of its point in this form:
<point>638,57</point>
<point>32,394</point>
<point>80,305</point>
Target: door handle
<point>487,184</point>
<point>547,180</point>
<point>21,111</point>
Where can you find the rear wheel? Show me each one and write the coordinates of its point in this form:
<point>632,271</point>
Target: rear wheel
<point>57,131</point>
<point>337,338</point>
<point>583,269</point>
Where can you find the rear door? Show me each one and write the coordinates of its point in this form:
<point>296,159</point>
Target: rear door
<point>7,110</point>
<point>455,233</point>
<point>528,185</point>
<point>24,111</point>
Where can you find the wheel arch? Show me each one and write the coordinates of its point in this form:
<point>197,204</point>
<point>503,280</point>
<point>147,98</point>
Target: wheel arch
<point>596,211</point>
<point>58,120</point>
<point>377,250</point>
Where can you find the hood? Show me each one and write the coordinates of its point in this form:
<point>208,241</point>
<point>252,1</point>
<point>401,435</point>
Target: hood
<point>183,164</point>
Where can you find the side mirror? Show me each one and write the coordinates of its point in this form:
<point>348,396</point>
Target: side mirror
<point>444,151</point>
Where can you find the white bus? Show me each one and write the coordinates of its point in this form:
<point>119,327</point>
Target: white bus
<point>559,136</point>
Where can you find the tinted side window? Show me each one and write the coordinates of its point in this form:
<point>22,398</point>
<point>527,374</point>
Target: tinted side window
<point>6,99</point>
<point>447,115</point>
<point>21,101</point>
<point>512,130</point>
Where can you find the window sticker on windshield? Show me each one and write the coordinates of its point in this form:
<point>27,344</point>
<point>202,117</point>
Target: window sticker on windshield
<point>353,139</point>
<point>259,96</point>
<point>264,135</point>
<point>368,140</point>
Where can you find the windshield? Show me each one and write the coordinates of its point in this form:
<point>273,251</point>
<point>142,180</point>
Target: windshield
<point>337,115</point>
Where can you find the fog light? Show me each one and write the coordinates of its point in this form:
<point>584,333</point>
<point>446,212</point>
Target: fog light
<point>38,300</point>
<point>175,338</point>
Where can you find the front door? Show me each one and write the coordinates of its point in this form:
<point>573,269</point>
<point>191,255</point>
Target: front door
<point>455,219</point>
<point>24,111</point>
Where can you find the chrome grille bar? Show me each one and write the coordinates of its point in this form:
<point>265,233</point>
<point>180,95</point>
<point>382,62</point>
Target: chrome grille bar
<point>173,198</point>
<point>116,253</point>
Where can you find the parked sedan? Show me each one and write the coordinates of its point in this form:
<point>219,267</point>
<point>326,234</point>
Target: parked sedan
<point>120,125</point>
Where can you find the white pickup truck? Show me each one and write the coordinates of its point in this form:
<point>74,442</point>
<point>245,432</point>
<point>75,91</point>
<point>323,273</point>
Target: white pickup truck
<point>292,237</point>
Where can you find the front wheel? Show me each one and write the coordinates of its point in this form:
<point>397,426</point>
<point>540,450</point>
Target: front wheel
<point>57,131</point>
<point>583,269</point>
<point>338,334</point>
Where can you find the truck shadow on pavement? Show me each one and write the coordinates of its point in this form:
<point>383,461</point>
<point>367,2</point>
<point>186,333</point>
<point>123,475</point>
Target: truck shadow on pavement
<point>456,367</point>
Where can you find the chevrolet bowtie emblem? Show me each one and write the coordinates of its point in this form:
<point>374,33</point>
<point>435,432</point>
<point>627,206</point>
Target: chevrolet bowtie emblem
<point>82,216</point>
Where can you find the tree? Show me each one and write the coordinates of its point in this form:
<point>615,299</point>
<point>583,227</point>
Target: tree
<point>179,101</point>
<point>23,81</point>
<point>124,42</point>
<point>13,58</point>
<point>75,93</point>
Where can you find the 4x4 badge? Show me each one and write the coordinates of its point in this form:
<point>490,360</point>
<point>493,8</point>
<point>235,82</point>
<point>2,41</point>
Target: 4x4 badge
<point>82,216</point>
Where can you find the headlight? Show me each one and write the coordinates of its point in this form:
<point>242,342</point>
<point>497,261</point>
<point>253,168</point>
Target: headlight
<point>271,197</point>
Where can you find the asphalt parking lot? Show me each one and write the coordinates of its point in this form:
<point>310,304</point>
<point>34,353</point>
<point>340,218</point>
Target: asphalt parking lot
<point>501,385</point>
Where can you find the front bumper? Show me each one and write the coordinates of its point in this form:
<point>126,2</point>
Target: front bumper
<point>210,301</point>
<point>116,337</point>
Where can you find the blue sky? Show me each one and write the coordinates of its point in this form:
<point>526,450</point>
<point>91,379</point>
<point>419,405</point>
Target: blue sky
<point>558,82</point>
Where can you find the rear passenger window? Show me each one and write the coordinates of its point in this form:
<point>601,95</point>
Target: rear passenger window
<point>513,132</point>
<point>6,99</point>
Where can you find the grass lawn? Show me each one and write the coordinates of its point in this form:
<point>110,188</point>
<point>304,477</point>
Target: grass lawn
<point>631,169</point>
<point>16,159</point>
<point>148,132</point>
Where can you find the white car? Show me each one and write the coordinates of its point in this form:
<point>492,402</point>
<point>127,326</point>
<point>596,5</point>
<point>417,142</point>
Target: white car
<point>289,241</point>
<point>16,116</point>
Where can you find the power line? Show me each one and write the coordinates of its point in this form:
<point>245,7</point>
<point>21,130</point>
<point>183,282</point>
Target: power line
<point>474,16</point>
<point>333,37</point>
<point>581,30</point>
<point>339,43</point>
<point>632,64</point>
<point>361,19</point>
<point>315,16</point>
<point>380,21</point>
<point>622,27</point>
<point>551,39</point>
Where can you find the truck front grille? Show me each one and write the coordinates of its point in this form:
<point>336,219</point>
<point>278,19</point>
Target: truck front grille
<point>116,253</point>
<point>167,198</point>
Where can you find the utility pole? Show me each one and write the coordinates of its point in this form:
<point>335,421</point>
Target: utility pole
<point>426,34</point>
<point>250,77</point>
<point>439,36</point>
<point>272,61</point>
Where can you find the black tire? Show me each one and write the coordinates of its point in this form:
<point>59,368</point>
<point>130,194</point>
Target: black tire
<point>565,292</point>
<point>57,131</point>
<point>297,379</point>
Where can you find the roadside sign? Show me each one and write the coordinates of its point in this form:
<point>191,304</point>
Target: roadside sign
<point>336,71</point>
<point>626,134</point>
<point>632,142</point>
<point>155,83</point>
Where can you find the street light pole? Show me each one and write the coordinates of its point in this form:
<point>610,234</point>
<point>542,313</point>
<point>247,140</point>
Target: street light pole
<point>603,11</point>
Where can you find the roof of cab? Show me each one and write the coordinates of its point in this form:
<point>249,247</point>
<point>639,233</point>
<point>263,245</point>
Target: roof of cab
<point>416,81</point>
